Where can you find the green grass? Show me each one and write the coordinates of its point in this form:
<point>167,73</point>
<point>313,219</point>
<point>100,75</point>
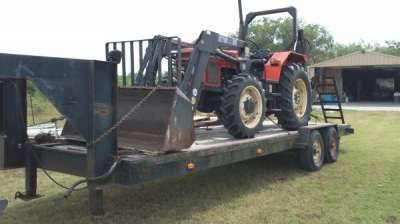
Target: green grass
<point>43,110</point>
<point>362,187</point>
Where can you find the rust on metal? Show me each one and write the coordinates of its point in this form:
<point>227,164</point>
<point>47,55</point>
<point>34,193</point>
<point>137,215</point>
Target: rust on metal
<point>163,123</point>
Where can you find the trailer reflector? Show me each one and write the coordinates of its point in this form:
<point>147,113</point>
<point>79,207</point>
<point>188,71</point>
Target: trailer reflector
<point>191,166</point>
<point>259,152</point>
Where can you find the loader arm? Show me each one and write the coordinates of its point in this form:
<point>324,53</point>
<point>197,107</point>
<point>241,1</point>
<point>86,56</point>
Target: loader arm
<point>207,44</point>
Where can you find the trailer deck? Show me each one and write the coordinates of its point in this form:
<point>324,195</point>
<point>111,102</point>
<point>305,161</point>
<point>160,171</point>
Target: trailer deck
<point>213,147</point>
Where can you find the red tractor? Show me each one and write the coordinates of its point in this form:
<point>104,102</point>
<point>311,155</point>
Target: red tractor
<point>215,74</point>
<point>268,83</point>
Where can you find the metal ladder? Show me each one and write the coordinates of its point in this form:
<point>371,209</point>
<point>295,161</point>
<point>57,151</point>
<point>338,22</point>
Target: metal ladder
<point>329,87</point>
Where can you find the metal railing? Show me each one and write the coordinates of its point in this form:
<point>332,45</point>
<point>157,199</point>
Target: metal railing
<point>149,62</point>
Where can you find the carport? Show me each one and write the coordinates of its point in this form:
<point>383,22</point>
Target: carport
<point>362,76</point>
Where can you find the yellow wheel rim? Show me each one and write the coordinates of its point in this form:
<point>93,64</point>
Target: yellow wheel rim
<point>300,97</point>
<point>252,95</point>
<point>317,152</point>
<point>333,145</point>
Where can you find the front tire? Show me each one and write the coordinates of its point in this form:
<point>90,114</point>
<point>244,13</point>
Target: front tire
<point>295,101</point>
<point>242,109</point>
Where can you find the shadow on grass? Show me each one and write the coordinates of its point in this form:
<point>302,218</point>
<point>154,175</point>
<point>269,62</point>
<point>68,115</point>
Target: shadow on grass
<point>167,201</point>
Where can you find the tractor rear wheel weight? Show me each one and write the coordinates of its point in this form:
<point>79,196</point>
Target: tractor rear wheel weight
<point>295,101</point>
<point>242,109</point>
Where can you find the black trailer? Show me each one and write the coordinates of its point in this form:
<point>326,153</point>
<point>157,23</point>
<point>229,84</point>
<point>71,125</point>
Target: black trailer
<point>86,93</point>
<point>213,147</point>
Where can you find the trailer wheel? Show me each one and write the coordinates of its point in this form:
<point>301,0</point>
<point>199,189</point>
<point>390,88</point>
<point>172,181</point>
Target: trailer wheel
<point>312,157</point>
<point>331,139</point>
<point>295,101</point>
<point>242,109</point>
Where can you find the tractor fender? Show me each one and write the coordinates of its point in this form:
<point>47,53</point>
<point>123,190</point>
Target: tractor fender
<point>273,68</point>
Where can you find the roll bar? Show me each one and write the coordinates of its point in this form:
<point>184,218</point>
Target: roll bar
<point>244,25</point>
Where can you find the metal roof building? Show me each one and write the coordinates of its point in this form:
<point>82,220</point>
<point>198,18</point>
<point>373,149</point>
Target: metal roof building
<point>362,76</point>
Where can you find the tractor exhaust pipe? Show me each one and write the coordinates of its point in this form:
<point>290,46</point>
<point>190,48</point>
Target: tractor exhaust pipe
<point>241,23</point>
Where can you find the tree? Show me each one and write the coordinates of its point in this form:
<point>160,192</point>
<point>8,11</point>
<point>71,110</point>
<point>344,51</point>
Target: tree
<point>276,35</point>
<point>343,49</point>
<point>391,47</point>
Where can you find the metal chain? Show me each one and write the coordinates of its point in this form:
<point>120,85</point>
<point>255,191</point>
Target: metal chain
<point>125,117</point>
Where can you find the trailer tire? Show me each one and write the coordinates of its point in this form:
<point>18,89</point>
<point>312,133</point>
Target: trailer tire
<point>332,141</point>
<point>295,101</point>
<point>312,157</point>
<point>242,109</point>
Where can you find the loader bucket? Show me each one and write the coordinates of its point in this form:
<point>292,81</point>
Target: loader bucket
<point>162,123</point>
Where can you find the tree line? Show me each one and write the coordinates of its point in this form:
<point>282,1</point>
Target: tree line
<point>275,35</point>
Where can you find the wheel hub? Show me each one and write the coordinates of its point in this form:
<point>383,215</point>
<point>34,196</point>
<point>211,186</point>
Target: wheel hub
<point>333,146</point>
<point>317,153</point>
<point>250,106</point>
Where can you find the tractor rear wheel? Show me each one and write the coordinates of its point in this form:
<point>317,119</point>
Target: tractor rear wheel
<point>295,101</point>
<point>242,109</point>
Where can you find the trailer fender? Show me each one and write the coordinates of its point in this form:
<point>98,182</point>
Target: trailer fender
<point>273,68</point>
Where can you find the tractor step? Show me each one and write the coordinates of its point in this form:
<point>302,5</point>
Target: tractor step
<point>276,110</point>
<point>271,96</point>
<point>275,94</point>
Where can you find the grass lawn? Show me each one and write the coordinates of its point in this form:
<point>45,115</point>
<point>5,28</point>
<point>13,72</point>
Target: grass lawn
<point>362,187</point>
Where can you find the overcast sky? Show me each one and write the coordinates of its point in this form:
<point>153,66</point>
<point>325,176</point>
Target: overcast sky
<point>79,29</point>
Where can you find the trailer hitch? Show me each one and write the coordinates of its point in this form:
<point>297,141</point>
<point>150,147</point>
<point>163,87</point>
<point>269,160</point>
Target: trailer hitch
<point>3,205</point>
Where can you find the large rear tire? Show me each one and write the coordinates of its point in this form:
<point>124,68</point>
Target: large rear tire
<point>242,109</point>
<point>295,101</point>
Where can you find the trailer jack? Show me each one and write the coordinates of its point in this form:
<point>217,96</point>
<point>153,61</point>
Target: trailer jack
<point>25,196</point>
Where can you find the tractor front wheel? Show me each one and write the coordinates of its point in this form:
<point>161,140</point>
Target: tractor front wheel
<point>295,101</point>
<point>242,109</point>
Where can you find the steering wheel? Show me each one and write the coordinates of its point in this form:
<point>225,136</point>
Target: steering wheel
<point>255,45</point>
<point>259,53</point>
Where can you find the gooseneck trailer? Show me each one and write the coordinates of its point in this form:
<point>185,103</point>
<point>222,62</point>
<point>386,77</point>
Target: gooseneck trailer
<point>145,130</point>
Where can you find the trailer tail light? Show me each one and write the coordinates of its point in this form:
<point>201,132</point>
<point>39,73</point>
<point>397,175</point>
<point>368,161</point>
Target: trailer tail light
<point>259,152</point>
